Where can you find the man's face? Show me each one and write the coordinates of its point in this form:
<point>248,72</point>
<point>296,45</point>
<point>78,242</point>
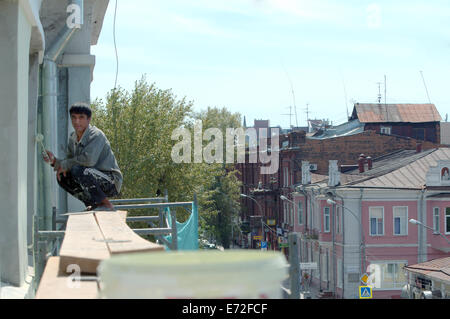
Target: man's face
<point>80,122</point>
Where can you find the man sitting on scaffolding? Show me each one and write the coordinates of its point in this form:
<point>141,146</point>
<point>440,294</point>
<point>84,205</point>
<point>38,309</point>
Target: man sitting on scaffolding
<point>90,171</point>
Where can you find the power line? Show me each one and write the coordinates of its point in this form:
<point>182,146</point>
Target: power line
<point>115,46</point>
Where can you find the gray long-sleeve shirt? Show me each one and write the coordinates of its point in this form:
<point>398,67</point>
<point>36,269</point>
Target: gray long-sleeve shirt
<point>93,150</point>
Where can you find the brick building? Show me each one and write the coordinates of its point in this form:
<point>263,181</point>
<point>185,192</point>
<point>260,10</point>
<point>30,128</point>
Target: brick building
<point>357,222</point>
<point>419,121</point>
<point>343,143</point>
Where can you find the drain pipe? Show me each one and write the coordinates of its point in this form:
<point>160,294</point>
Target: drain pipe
<point>49,73</point>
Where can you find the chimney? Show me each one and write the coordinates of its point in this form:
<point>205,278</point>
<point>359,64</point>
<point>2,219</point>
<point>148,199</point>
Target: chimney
<point>306,174</point>
<point>369,162</point>
<point>361,162</point>
<point>418,147</point>
<point>334,176</point>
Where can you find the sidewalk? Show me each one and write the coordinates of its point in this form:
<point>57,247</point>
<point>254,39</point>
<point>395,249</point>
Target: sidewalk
<point>313,292</point>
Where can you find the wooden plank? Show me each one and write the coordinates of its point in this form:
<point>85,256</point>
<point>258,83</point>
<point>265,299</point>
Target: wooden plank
<point>55,284</point>
<point>83,244</point>
<point>120,238</point>
<point>123,214</point>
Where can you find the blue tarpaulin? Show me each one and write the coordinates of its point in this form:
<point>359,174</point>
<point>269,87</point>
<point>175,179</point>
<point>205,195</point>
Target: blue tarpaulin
<point>187,231</point>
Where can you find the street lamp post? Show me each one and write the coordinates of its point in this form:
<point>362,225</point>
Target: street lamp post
<point>363,240</point>
<point>288,200</point>
<point>260,212</point>
<point>416,222</point>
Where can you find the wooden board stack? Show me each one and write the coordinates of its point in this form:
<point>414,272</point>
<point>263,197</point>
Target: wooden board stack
<point>88,240</point>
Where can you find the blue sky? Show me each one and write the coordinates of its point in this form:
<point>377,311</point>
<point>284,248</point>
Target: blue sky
<point>246,55</point>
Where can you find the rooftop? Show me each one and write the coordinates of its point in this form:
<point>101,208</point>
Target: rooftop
<point>400,170</point>
<point>436,269</point>
<point>384,113</point>
<point>345,129</point>
<point>404,169</point>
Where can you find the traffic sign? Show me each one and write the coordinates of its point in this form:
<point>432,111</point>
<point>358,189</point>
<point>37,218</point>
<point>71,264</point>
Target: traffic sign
<point>365,292</point>
<point>364,279</point>
<point>263,245</point>
<point>257,237</point>
<point>308,266</point>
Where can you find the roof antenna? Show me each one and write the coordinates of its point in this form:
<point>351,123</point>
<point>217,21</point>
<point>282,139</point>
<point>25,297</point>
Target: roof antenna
<point>345,95</point>
<point>385,89</point>
<point>290,116</point>
<point>293,98</point>
<point>379,92</point>
<point>429,100</point>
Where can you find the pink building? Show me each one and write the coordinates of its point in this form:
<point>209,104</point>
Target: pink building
<point>357,222</point>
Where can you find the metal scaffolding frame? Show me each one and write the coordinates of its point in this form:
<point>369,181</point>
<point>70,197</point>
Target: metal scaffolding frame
<point>46,243</point>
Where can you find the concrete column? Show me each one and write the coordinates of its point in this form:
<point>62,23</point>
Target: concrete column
<point>33,148</point>
<point>14,65</point>
<point>79,90</point>
<point>79,65</point>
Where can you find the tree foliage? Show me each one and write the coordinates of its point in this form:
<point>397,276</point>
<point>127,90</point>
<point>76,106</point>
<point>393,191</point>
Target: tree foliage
<point>139,125</point>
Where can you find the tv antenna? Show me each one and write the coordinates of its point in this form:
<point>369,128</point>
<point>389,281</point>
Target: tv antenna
<point>307,112</point>
<point>290,115</point>
<point>379,92</point>
<point>345,95</point>
<point>293,99</point>
<point>424,84</point>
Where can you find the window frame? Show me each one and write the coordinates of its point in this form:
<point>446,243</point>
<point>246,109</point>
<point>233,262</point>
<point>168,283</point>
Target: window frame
<point>393,221</point>
<point>376,225</point>
<point>338,219</point>
<point>447,220</point>
<point>387,129</point>
<point>291,214</point>
<point>300,213</point>
<point>324,219</point>
<point>396,285</point>
<point>286,176</point>
<point>436,225</point>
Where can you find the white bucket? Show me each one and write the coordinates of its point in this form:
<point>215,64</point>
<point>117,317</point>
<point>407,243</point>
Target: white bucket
<point>242,274</point>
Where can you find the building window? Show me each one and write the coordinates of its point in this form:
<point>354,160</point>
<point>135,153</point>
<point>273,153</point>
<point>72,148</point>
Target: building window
<point>447,220</point>
<point>385,130</point>
<point>291,214</point>
<point>401,221</point>
<point>326,219</point>
<point>300,213</point>
<point>284,212</point>
<point>436,220</point>
<point>387,274</point>
<point>338,219</point>
<point>393,275</point>
<point>339,273</point>
<point>285,176</point>
<point>376,216</point>
<point>419,134</point>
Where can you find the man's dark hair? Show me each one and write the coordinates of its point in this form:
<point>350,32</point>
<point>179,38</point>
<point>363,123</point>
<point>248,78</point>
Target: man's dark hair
<point>81,108</point>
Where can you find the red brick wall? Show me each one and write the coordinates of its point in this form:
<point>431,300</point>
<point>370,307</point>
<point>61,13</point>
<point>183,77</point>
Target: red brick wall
<point>347,149</point>
<point>344,149</point>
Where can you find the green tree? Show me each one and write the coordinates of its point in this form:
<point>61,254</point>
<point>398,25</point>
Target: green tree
<point>139,125</point>
<point>222,197</point>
